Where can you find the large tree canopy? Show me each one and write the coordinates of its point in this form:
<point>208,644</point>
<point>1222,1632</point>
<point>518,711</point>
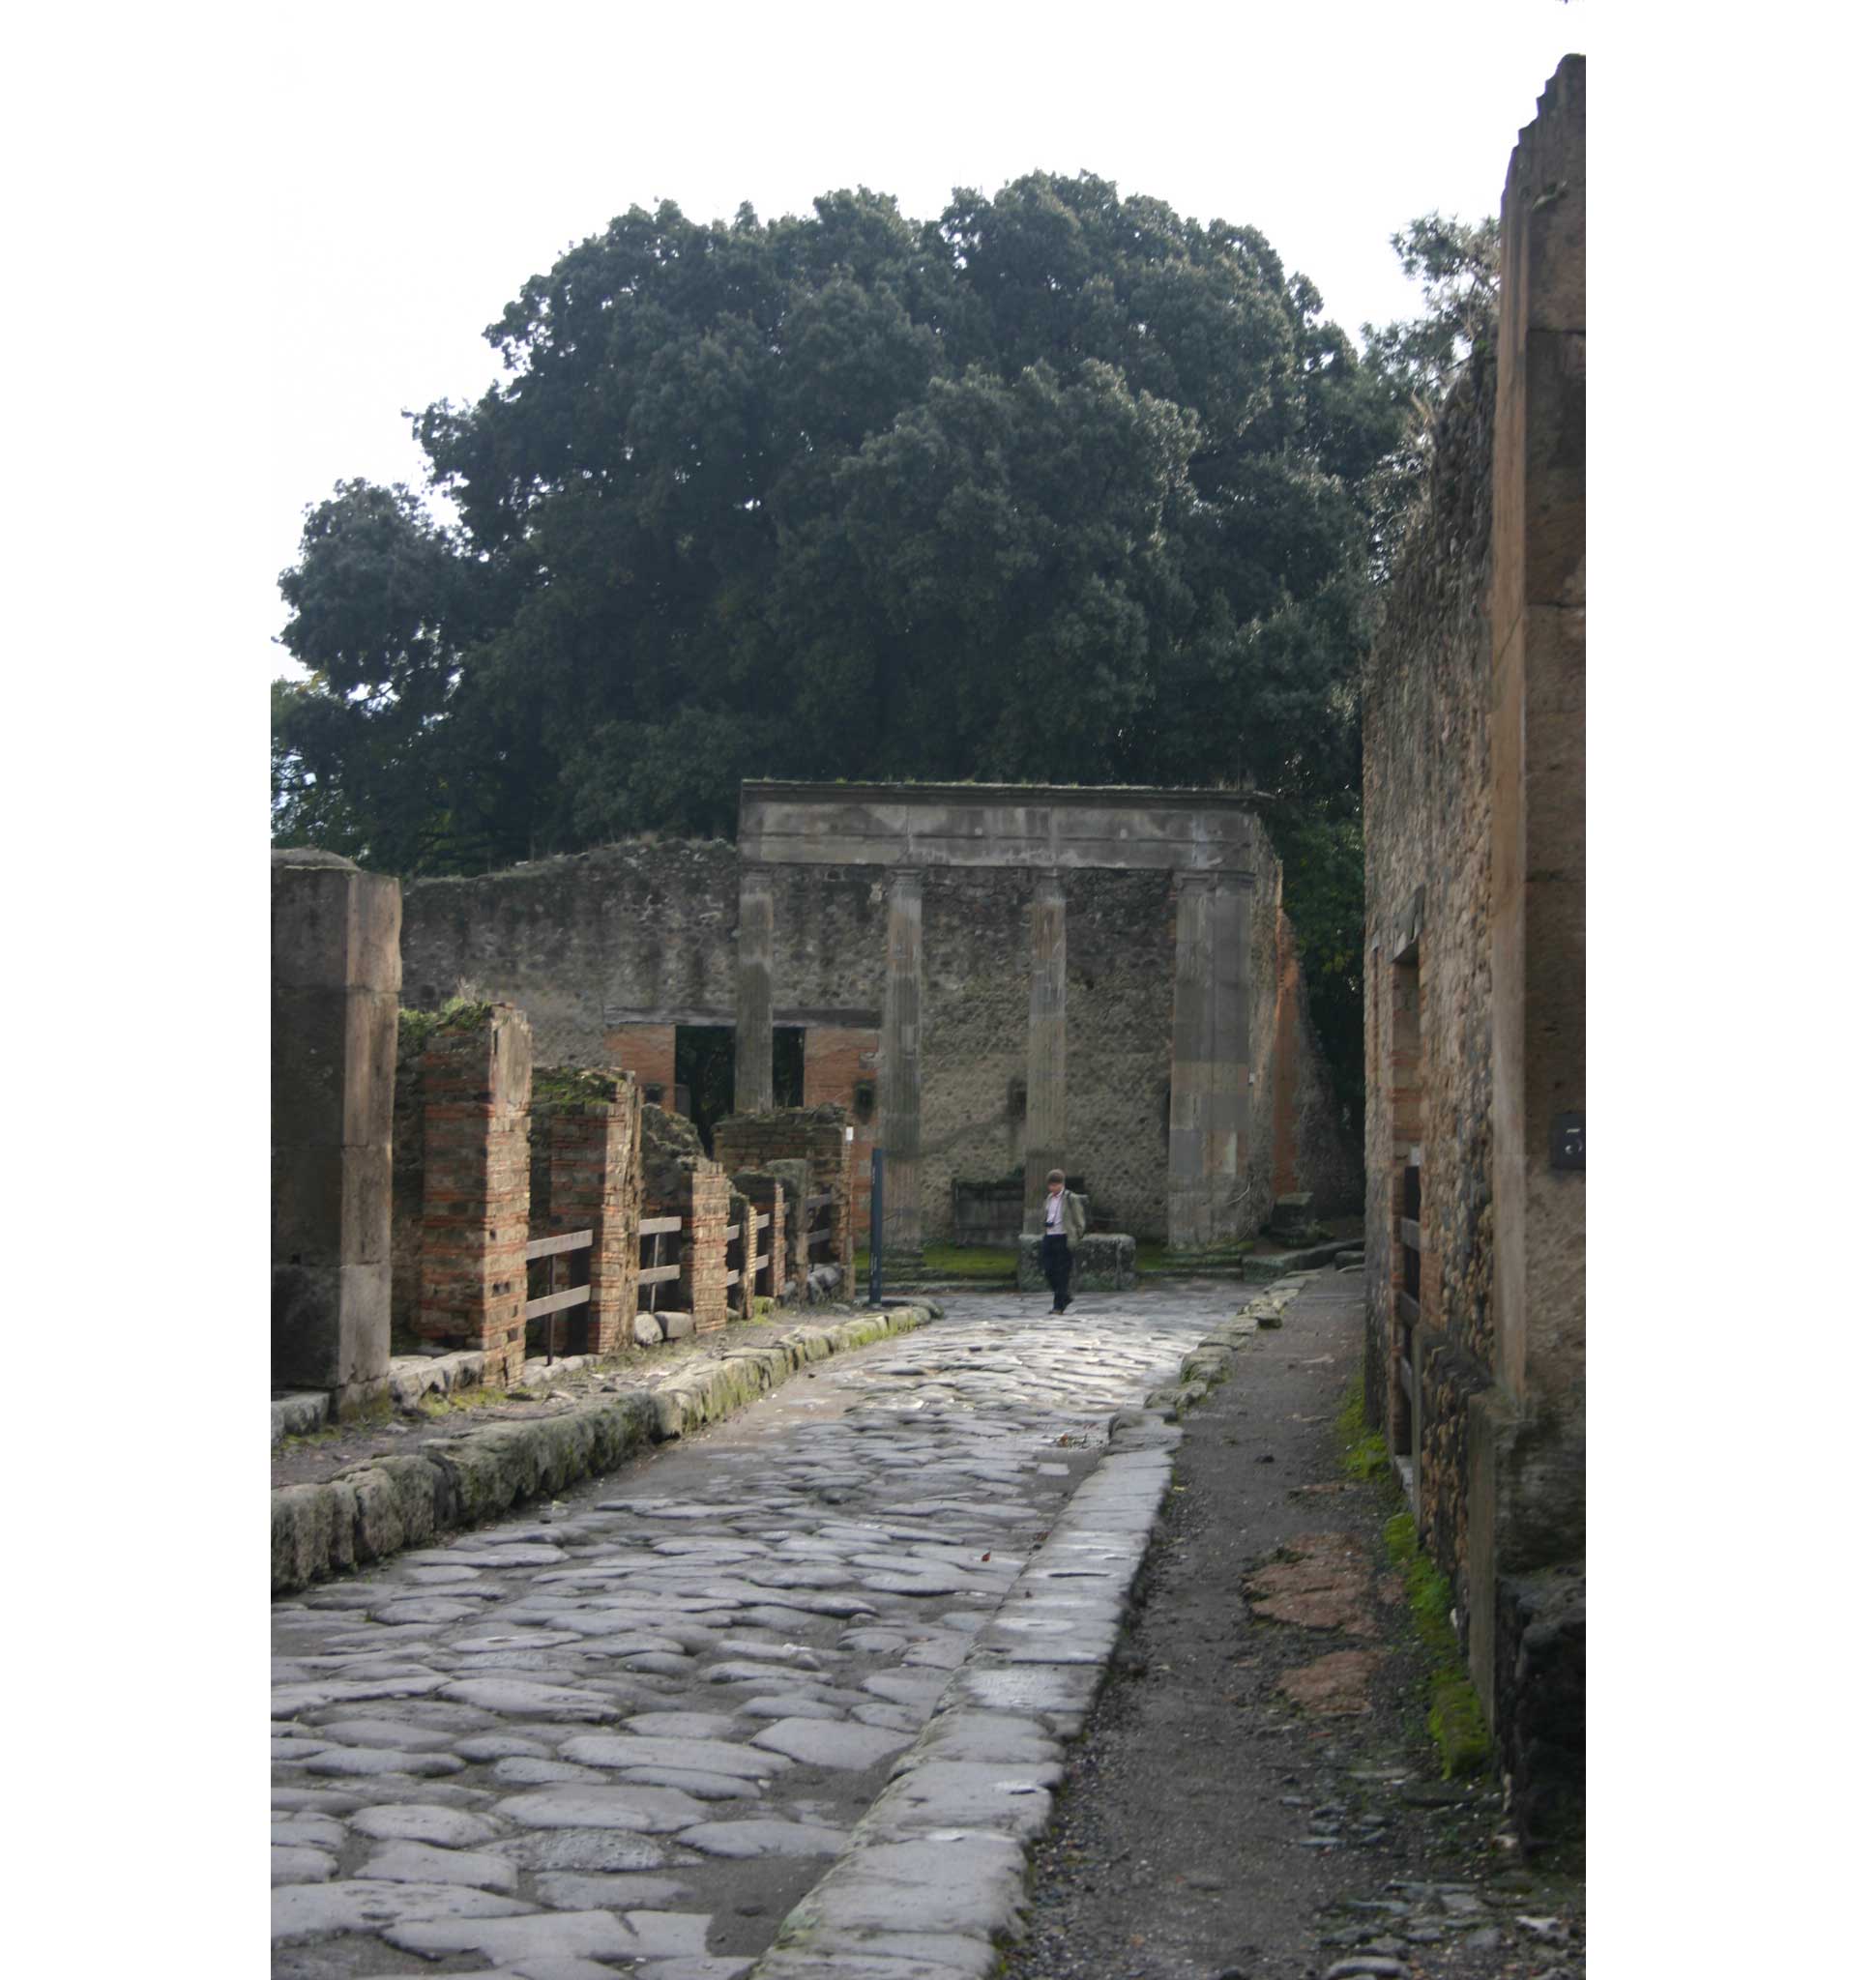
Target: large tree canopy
<point>1057,486</point>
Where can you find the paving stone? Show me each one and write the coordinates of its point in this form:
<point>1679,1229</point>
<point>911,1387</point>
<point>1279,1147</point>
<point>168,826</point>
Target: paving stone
<point>516,1695</point>
<point>422,1863</point>
<point>296,1863</point>
<point>488,1746</point>
<point>763,1839</point>
<point>651,1810</point>
<point>816,1743</point>
<point>589,1934</point>
<point>793,1704</point>
<point>589,1849</point>
<point>326,1800</point>
<point>523,1770</point>
<point>364,1762</point>
<point>683,1724</point>
<point>648,1749</point>
<point>398,1734</point>
<point>908,1688</point>
<point>449,1828</point>
<point>574,1890</point>
<point>306,1910</point>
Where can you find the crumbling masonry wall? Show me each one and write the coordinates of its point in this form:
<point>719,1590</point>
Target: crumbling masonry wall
<point>587,1177</point>
<point>816,1136</point>
<point>608,951</point>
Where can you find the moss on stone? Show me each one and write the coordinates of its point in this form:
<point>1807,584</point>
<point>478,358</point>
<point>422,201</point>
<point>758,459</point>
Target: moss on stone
<point>417,1027</point>
<point>1455,1719</point>
<point>574,1085</point>
<point>1365,1451</point>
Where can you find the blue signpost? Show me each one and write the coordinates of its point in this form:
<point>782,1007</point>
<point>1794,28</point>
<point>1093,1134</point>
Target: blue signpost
<point>876,1243</point>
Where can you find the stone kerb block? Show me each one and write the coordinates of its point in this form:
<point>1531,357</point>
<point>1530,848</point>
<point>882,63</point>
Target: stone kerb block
<point>335,974</point>
<point>478,1071</point>
<point>586,1162</point>
<point>1101,1263</point>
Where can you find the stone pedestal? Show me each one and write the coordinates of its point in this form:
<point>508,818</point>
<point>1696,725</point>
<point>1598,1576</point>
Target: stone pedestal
<point>1046,1120</point>
<point>899,1055</point>
<point>1208,1156</point>
<point>335,978</point>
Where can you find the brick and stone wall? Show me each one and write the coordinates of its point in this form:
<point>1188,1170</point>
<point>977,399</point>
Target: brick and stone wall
<point>1426,795</point>
<point>608,951</point>
<point>1308,1148</point>
<point>1473,762</point>
<point>476,1077</point>
<point>587,1177</point>
<point>678,1181</point>
<point>814,1135</point>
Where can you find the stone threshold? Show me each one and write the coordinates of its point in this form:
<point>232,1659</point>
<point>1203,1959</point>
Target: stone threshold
<point>933,1881</point>
<point>385,1504</point>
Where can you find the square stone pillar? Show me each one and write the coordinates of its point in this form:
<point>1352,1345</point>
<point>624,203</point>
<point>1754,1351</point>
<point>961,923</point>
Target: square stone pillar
<point>899,1063</point>
<point>1046,1115</point>
<point>336,978</point>
<point>1526,1435</point>
<point>1208,1158</point>
<point>586,1124</point>
<point>755,1010</point>
<point>478,1081</point>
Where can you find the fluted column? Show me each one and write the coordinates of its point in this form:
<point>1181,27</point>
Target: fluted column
<point>898,1062</point>
<point>755,1010</point>
<point>1045,1118</point>
<point>1209,1145</point>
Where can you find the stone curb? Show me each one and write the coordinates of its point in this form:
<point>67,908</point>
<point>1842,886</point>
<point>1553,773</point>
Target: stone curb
<point>934,1878</point>
<point>379,1509</point>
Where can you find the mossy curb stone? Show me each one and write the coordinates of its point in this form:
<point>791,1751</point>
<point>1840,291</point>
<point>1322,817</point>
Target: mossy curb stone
<point>381,1507</point>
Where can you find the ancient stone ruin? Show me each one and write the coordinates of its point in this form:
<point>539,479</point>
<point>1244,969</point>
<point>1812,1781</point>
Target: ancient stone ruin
<point>1473,752</point>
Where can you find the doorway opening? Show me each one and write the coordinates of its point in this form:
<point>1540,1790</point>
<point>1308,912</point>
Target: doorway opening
<point>706,1074</point>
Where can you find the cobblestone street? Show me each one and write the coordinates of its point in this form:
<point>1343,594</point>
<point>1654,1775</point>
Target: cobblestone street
<point>634,1724</point>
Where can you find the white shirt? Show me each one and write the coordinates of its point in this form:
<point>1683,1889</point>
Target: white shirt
<point>1054,1212</point>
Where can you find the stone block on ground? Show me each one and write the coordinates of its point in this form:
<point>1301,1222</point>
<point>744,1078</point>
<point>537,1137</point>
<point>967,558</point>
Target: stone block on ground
<point>1101,1263</point>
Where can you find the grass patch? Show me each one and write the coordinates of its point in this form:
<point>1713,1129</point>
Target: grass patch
<point>481,1397</point>
<point>1456,1718</point>
<point>1365,1451</point>
<point>986,1262</point>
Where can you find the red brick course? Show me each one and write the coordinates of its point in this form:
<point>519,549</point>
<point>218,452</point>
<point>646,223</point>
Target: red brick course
<point>591,1148</point>
<point>477,1079</point>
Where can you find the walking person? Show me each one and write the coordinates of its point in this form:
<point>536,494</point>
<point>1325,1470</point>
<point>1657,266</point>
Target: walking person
<point>1064,1220</point>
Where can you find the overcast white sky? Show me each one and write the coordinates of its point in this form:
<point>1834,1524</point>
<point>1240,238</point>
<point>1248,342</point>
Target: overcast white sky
<point>430,158</point>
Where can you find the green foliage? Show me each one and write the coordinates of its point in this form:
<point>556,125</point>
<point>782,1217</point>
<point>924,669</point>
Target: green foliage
<point>1456,1718</point>
<point>1456,265</point>
<point>1365,1451</point>
<point>1059,486</point>
<point>417,1027</point>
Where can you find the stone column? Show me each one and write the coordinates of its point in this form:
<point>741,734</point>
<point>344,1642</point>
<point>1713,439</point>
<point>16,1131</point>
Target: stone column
<point>335,976</point>
<point>1209,1145</point>
<point>899,1063</point>
<point>478,1082</point>
<point>1045,1118</point>
<point>755,1012</point>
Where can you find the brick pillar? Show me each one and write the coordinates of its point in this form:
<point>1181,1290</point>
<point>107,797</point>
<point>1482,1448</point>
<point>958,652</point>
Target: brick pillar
<point>477,1078</point>
<point>587,1125</point>
<point>739,1235</point>
<point>766,1199</point>
<point>705,1209</point>
<point>335,976</point>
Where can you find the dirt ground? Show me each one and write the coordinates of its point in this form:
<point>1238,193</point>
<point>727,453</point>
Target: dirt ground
<point>1218,1826</point>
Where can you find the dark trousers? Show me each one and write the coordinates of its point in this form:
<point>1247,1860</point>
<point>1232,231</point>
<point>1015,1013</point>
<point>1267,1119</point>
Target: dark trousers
<point>1056,1264</point>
